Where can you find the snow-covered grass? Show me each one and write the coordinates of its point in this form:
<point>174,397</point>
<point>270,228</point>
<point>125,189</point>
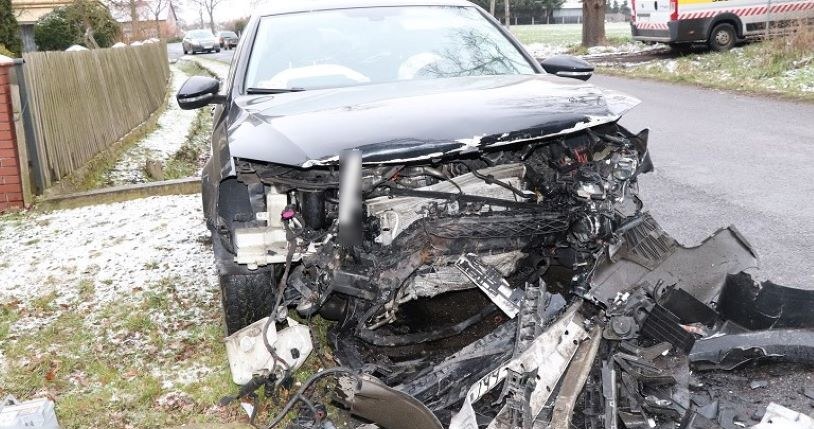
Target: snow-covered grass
<point>113,311</point>
<point>165,140</point>
<point>783,66</point>
<point>107,309</point>
<point>217,68</point>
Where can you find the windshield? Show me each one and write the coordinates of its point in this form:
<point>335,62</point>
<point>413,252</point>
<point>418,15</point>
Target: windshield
<point>228,34</point>
<point>346,47</point>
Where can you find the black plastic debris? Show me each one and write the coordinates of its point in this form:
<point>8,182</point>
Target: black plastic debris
<point>733,350</point>
<point>662,325</point>
<point>765,306</point>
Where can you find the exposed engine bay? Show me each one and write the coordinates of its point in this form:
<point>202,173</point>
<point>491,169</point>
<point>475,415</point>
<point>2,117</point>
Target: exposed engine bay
<point>517,287</point>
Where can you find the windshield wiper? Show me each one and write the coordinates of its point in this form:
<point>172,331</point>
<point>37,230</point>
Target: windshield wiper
<point>273,90</point>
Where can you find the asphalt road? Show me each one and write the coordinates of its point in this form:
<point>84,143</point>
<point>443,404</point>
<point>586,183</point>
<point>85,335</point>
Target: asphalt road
<point>724,159</point>
<point>175,51</point>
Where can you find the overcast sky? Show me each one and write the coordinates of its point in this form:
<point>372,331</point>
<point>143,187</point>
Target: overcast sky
<point>226,10</point>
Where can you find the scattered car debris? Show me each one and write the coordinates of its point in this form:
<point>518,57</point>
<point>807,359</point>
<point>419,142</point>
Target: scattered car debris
<point>34,414</point>
<point>777,417</point>
<point>757,384</point>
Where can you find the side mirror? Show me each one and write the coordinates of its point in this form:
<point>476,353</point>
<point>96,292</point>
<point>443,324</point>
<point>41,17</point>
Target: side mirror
<point>568,66</point>
<point>197,92</point>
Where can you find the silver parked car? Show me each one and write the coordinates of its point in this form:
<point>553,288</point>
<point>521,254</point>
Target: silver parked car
<point>200,41</point>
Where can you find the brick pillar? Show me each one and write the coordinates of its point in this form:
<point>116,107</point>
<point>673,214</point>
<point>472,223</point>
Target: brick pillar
<point>11,190</point>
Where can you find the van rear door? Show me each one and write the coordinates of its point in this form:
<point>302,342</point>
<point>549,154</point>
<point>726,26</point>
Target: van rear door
<point>653,11</point>
<point>651,18</point>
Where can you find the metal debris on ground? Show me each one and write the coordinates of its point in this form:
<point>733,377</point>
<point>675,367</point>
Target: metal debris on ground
<point>573,360</point>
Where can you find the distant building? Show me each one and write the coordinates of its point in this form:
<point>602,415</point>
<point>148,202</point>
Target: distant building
<point>569,13</point>
<point>148,25</point>
<point>28,12</point>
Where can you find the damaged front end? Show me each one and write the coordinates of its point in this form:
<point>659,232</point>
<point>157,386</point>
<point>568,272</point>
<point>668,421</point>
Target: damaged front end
<point>514,286</point>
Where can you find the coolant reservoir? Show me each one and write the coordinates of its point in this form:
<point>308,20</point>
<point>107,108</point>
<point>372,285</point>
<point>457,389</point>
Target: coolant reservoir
<point>249,356</point>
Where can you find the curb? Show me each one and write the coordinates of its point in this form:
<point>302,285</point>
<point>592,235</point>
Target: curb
<point>117,194</point>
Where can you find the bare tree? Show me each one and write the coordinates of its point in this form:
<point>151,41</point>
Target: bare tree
<point>209,6</point>
<point>492,7</point>
<point>507,16</point>
<point>131,7</point>
<point>155,8</point>
<point>593,22</point>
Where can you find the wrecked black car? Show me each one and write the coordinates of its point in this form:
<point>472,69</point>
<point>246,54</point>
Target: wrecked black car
<point>469,218</point>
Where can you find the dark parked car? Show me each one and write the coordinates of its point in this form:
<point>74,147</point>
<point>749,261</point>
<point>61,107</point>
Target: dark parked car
<point>227,39</point>
<point>199,41</point>
<point>435,110</point>
<point>466,214</point>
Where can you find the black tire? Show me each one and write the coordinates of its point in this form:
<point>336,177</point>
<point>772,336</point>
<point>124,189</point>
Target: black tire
<point>246,298</point>
<point>217,50</point>
<point>722,37</point>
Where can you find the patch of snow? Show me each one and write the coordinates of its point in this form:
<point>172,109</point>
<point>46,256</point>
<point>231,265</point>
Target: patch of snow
<point>218,68</point>
<point>121,248</point>
<point>545,50</point>
<point>173,128</point>
<point>175,401</point>
<point>626,48</point>
<point>177,375</point>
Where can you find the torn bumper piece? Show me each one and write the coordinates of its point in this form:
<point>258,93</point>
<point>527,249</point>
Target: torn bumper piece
<point>650,257</point>
<point>730,351</point>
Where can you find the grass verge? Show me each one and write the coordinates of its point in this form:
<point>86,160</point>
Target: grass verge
<point>152,360</point>
<point>782,67</point>
<point>192,155</point>
<point>568,34</point>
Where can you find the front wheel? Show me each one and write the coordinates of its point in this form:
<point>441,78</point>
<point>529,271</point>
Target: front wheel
<point>246,295</point>
<point>247,298</point>
<point>722,38</point>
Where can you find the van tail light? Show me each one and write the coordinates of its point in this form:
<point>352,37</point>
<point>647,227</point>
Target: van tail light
<point>674,8</point>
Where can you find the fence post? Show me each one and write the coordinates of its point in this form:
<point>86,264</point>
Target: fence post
<point>11,188</point>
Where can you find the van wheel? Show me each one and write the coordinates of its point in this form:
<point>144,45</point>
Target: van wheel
<point>722,38</point>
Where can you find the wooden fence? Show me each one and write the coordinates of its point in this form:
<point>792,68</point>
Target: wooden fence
<point>82,102</point>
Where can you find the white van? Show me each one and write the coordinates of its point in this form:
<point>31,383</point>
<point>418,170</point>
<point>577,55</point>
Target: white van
<point>720,23</point>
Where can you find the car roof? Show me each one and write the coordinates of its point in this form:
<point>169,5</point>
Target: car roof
<point>294,6</point>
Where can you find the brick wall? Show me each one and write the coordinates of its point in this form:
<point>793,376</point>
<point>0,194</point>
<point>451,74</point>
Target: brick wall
<point>11,191</point>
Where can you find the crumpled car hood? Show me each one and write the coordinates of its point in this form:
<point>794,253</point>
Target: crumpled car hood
<point>414,120</point>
